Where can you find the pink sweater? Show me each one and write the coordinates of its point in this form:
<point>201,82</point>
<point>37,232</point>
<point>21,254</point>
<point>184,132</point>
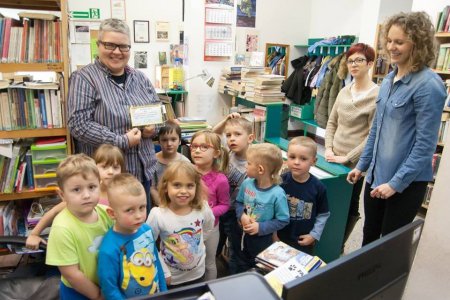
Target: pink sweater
<point>218,193</point>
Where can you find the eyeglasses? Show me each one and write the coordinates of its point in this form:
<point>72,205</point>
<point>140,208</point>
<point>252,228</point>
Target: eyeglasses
<point>112,46</point>
<point>202,147</point>
<point>357,61</point>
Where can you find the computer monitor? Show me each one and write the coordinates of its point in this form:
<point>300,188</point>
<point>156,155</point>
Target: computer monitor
<point>378,270</point>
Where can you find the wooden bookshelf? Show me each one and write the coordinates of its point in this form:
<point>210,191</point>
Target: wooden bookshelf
<point>25,195</point>
<point>31,67</point>
<point>30,133</point>
<point>62,68</point>
<point>53,5</point>
<point>442,35</point>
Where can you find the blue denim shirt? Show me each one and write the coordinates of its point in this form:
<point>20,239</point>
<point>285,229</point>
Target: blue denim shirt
<point>404,132</point>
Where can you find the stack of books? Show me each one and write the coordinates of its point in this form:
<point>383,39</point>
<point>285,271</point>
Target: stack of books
<point>286,264</point>
<point>231,76</point>
<point>190,125</point>
<point>268,88</point>
<point>248,78</point>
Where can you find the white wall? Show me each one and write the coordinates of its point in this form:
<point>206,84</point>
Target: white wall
<point>332,18</point>
<point>148,10</point>
<point>285,23</point>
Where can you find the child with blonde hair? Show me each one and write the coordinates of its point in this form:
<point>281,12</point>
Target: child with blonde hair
<point>307,197</point>
<point>211,160</point>
<point>110,161</point>
<point>181,221</point>
<point>261,205</point>
<point>128,261</point>
<point>78,229</point>
<point>239,136</point>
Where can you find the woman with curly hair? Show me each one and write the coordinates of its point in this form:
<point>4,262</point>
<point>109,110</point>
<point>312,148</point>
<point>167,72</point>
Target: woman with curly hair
<point>404,132</point>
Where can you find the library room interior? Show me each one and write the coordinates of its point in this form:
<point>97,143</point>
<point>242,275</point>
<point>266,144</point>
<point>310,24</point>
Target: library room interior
<point>224,149</point>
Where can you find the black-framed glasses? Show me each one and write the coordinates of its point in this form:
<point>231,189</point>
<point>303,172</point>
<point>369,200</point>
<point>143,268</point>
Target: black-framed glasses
<point>112,46</point>
<point>357,61</point>
<point>202,147</point>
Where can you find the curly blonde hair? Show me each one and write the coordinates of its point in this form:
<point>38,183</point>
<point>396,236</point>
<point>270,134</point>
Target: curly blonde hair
<point>420,31</point>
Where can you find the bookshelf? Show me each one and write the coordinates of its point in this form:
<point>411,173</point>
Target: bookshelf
<point>441,38</point>
<point>58,67</point>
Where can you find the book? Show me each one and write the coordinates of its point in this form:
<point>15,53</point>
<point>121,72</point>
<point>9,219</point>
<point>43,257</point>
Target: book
<point>162,55</point>
<point>298,266</point>
<point>276,255</point>
<point>29,170</point>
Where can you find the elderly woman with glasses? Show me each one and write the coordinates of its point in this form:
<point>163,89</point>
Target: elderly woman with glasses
<point>100,97</point>
<point>350,120</point>
<point>403,138</point>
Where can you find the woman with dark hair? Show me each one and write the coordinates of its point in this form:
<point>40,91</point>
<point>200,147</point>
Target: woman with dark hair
<point>404,133</point>
<point>350,120</point>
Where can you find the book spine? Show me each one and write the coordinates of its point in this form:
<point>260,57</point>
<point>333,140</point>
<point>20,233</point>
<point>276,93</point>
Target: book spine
<point>7,35</point>
<point>43,109</point>
<point>48,108</point>
<point>29,170</point>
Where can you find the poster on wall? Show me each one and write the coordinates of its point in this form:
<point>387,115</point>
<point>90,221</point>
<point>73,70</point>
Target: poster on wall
<point>176,52</point>
<point>140,59</point>
<point>251,42</point>
<point>246,13</point>
<point>162,31</point>
<point>118,9</point>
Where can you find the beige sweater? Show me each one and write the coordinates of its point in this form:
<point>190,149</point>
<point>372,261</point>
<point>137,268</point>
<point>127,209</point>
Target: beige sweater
<point>349,124</point>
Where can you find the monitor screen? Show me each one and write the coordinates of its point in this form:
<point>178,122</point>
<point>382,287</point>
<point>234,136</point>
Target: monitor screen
<point>378,270</point>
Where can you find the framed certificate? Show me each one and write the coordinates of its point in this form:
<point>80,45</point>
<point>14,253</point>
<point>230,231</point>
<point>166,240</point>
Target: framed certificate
<point>141,31</point>
<point>146,115</point>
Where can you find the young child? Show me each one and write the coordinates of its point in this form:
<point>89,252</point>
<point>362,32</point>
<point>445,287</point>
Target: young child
<point>307,197</point>
<point>181,221</point>
<point>239,136</point>
<point>110,161</point>
<point>128,262</point>
<point>169,138</point>
<point>78,229</point>
<point>211,159</point>
<point>261,205</point>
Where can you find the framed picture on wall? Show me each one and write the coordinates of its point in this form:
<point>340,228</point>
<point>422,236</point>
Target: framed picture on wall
<point>141,31</point>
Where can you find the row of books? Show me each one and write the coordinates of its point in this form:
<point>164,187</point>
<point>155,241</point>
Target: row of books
<point>443,20</point>
<point>32,165</point>
<point>30,105</point>
<point>30,40</point>
<point>435,162</point>
<point>257,116</point>
<point>16,172</point>
<point>18,218</point>
<point>443,58</point>
<point>285,264</point>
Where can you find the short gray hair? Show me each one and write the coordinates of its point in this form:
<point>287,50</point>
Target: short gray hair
<point>114,25</point>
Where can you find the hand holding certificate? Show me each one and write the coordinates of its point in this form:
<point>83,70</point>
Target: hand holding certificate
<point>146,115</point>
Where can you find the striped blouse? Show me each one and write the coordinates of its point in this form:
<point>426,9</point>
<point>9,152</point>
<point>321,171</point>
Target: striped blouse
<point>98,110</point>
